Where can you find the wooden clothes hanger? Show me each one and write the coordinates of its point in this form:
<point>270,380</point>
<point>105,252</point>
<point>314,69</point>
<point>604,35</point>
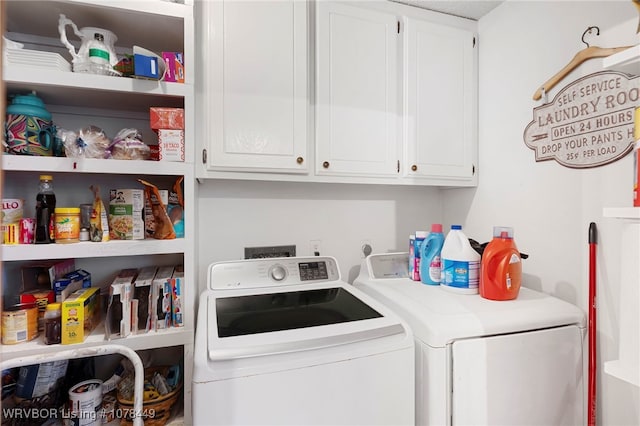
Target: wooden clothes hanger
<point>590,52</point>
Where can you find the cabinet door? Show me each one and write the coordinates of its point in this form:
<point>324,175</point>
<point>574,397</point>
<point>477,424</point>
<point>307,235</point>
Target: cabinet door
<point>440,101</point>
<point>357,91</point>
<point>255,79</point>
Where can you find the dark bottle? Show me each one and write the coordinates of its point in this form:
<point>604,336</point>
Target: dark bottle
<point>45,208</point>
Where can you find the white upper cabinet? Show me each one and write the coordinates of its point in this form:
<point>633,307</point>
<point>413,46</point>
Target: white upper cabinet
<point>345,92</point>
<point>440,101</point>
<point>356,91</point>
<point>252,97</point>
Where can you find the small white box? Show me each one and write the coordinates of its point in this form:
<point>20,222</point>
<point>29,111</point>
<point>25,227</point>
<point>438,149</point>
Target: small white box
<point>170,144</point>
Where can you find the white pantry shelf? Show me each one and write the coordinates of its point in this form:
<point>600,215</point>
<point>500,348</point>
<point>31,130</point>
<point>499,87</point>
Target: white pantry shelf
<point>22,252</point>
<point>18,163</point>
<point>625,367</point>
<point>150,340</point>
<point>622,212</point>
<point>108,92</point>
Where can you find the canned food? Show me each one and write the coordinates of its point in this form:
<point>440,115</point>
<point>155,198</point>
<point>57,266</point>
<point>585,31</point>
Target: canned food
<point>67,224</point>
<point>19,324</point>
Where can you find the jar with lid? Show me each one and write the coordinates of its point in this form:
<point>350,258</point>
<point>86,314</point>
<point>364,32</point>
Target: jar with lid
<point>67,224</point>
<point>52,324</point>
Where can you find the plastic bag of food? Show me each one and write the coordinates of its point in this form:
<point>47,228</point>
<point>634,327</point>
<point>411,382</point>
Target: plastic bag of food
<point>94,142</point>
<point>128,145</point>
<point>99,223</point>
<point>90,142</point>
<point>163,228</point>
<point>175,207</point>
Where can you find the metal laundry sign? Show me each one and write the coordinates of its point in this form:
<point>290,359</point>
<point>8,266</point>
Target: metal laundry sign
<point>589,123</point>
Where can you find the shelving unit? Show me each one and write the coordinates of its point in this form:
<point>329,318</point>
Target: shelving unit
<point>626,366</point>
<point>77,100</point>
<point>626,61</point>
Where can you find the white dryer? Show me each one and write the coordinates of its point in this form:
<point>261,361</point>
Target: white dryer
<point>483,362</point>
<point>286,342</point>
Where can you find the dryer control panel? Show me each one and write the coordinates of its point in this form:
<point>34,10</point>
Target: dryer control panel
<point>257,273</point>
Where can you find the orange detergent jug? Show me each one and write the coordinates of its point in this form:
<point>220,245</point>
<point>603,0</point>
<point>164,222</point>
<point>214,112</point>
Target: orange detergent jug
<point>501,267</point>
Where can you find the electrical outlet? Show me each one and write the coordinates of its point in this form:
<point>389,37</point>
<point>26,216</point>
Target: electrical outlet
<point>315,247</point>
<point>365,248</point>
<point>269,251</point>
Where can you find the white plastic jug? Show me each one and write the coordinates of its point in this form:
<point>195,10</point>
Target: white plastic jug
<point>96,54</point>
<point>460,263</point>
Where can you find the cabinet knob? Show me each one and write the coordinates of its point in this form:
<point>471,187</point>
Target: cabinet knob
<point>414,168</point>
<point>299,160</point>
<point>325,164</point>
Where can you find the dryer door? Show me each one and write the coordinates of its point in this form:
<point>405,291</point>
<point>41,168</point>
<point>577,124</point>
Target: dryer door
<point>529,378</point>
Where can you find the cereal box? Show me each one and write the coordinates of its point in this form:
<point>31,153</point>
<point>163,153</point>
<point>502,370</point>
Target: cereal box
<point>177,286</point>
<point>126,220</point>
<point>142,293</point>
<point>161,298</point>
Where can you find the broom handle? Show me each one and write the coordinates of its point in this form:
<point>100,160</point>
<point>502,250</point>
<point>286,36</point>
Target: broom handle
<point>591,407</point>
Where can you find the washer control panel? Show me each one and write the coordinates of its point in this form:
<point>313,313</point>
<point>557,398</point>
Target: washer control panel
<point>256,273</point>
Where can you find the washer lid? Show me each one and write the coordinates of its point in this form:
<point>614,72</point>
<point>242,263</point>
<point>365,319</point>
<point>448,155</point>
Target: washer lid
<point>438,317</point>
<point>290,319</point>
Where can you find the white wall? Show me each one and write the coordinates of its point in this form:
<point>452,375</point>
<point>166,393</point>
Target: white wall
<point>522,44</point>
<point>238,214</point>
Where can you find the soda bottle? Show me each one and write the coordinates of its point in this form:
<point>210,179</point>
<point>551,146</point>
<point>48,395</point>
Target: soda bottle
<point>45,208</point>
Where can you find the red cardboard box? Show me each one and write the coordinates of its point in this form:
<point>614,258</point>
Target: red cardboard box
<point>166,118</point>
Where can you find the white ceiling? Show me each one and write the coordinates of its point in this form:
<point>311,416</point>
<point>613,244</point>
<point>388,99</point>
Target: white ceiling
<point>472,9</point>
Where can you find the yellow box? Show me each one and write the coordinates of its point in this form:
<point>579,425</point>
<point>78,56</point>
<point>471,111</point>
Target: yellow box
<point>80,315</point>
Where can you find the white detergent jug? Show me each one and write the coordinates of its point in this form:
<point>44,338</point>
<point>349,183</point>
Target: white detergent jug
<point>460,263</point>
<point>96,54</point>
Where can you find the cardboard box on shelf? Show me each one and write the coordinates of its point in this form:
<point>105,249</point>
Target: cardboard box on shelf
<point>170,144</point>
<point>161,298</point>
<point>142,294</point>
<point>39,275</point>
<point>175,66</point>
<point>126,220</point>
<point>71,282</point>
<point>80,315</point>
<point>177,286</point>
<point>118,321</point>
<point>146,67</point>
<point>166,118</point>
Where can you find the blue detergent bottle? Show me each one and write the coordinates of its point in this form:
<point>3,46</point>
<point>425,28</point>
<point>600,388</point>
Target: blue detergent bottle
<point>430,261</point>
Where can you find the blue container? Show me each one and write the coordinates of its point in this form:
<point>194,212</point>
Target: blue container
<point>430,260</point>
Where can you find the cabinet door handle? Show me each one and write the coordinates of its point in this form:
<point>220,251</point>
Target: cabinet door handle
<point>299,160</point>
<point>414,168</point>
<point>325,164</point>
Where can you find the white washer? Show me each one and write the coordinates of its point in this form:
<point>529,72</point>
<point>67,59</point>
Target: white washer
<point>483,362</point>
<point>286,341</point>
